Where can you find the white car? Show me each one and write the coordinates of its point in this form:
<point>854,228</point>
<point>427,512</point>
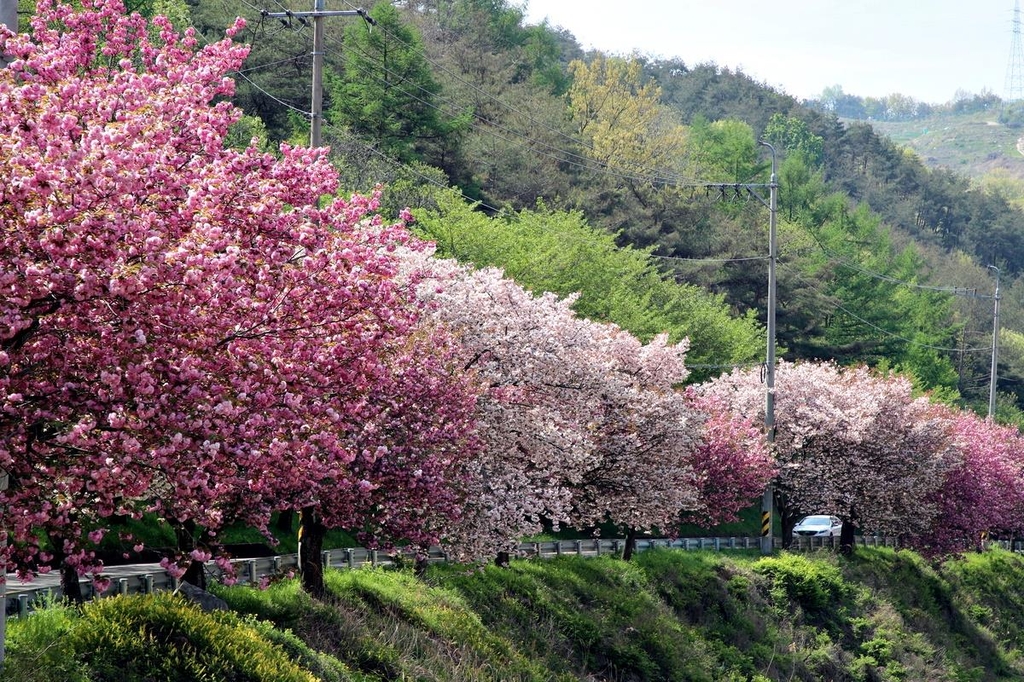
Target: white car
<point>818,527</point>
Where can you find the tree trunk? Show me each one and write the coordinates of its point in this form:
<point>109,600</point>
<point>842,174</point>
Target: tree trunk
<point>184,535</point>
<point>502,560</point>
<point>627,553</point>
<point>70,584</point>
<point>846,536</point>
<point>787,519</point>
<point>195,574</point>
<point>311,546</point>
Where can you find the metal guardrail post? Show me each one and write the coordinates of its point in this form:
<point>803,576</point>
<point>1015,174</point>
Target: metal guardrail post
<point>350,558</point>
<point>373,558</point>
<point>579,548</point>
<point>147,583</point>
<point>325,558</point>
<point>122,586</point>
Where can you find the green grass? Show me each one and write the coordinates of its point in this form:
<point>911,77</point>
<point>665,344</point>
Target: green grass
<point>880,615</point>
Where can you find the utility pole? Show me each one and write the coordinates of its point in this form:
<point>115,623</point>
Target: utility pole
<point>317,101</point>
<point>995,350</point>
<point>311,528</point>
<point>767,500</point>
<point>9,14</point>
<point>751,189</point>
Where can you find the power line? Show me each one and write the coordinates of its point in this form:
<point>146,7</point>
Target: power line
<point>712,260</point>
<point>956,291</point>
<point>490,127</point>
<point>406,167</point>
<point>280,101</point>
<point>884,332</point>
<point>737,188</point>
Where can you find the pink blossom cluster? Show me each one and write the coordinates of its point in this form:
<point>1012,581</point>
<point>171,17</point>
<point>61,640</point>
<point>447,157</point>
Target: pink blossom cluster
<point>859,445</point>
<point>983,492</point>
<point>183,329</point>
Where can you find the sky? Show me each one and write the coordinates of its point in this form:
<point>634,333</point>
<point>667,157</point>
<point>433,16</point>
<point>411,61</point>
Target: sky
<point>927,49</point>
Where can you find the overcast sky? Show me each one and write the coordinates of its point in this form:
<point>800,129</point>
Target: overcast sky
<point>927,49</point>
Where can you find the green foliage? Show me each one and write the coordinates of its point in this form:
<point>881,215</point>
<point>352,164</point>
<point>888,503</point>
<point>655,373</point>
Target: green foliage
<point>38,650</point>
<point>386,91</point>
<point>547,250</point>
<point>883,316</point>
<point>792,136</point>
<point>571,615</point>
<point>162,637</point>
<point>815,586</point>
<point>155,637</point>
<point>726,150</point>
<point>1012,114</point>
<point>879,615</point>
<point>992,586</point>
<point>245,131</point>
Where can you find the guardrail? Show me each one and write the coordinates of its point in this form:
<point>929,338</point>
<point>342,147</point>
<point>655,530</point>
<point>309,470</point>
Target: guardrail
<point>252,571</point>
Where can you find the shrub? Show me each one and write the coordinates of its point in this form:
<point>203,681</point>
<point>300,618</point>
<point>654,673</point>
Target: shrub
<point>162,637</point>
<point>38,648</point>
<point>816,586</point>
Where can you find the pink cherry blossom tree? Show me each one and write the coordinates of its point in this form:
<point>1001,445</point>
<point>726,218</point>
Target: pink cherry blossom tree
<point>982,492</point>
<point>184,330</point>
<point>579,422</point>
<point>532,362</point>
<point>732,461</point>
<point>848,443</point>
<point>641,474</point>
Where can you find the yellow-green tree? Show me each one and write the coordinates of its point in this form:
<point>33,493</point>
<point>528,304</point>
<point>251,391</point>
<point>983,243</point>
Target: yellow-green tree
<point>620,117</point>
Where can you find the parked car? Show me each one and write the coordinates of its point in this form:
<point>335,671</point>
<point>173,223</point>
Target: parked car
<point>818,526</point>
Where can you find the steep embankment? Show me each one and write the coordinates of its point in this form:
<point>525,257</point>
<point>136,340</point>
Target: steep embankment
<point>668,615</point>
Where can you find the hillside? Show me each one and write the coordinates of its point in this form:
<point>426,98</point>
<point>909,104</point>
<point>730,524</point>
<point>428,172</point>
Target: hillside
<point>969,144</point>
<point>668,615</point>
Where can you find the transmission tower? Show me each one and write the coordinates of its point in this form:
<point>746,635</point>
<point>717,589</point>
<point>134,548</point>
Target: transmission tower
<point>1015,67</point>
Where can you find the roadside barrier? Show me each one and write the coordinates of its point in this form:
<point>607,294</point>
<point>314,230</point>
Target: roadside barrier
<point>149,578</point>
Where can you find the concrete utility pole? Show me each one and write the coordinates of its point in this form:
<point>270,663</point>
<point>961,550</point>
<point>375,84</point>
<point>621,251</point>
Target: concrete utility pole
<point>316,115</point>
<point>9,14</point>
<point>317,102</point>
<point>767,501</point>
<point>995,350</point>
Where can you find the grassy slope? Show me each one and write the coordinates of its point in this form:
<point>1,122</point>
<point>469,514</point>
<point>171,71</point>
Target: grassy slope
<point>970,145</point>
<point>881,615</point>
